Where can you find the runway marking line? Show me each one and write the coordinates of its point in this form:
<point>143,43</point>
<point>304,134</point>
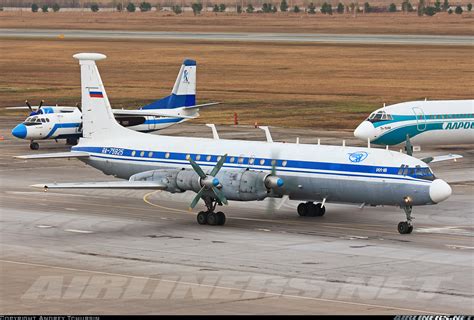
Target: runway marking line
<point>78,231</point>
<point>223,288</point>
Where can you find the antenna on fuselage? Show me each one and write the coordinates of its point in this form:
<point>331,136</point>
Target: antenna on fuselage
<point>267,133</point>
<point>215,135</point>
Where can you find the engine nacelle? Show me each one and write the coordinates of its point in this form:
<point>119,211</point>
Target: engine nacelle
<point>243,185</point>
<point>240,185</point>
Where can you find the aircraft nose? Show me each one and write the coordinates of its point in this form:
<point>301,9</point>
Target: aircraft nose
<point>19,131</point>
<point>364,131</point>
<point>439,191</point>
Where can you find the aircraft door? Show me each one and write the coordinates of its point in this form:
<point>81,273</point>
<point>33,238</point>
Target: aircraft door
<point>152,123</point>
<point>420,119</point>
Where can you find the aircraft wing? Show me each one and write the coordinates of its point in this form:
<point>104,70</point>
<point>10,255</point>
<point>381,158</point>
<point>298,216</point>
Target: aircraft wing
<point>71,154</point>
<point>445,157</point>
<point>103,185</point>
<point>151,112</point>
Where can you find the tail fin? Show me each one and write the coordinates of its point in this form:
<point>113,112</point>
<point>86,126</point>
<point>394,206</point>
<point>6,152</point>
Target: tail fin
<point>184,90</point>
<point>97,116</point>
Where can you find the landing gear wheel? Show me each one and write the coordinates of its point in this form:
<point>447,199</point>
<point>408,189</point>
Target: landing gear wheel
<point>34,146</point>
<point>212,219</point>
<point>202,217</point>
<point>312,209</point>
<point>302,209</point>
<point>71,141</point>
<point>320,209</point>
<point>404,228</point>
<point>220,218</point>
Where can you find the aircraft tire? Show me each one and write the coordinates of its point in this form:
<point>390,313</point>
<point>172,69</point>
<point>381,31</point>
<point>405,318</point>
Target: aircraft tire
<point>302,209</point>
<point>202,217</point>
<point>34,146</point>
<point>212,219</point>
<point>404,228</point>
<point>220,218</point>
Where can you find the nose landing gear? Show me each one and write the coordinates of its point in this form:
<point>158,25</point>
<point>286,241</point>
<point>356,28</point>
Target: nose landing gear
<point>34,145</point>
<point>406,227</point>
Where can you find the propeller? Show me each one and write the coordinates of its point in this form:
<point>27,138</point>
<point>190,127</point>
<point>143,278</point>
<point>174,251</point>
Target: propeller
<point>273,181</point>
<point>29,105</point>
<point>78,106</point>
<point>408,146</point>
<point>31,108</point>
<point>208,181</point>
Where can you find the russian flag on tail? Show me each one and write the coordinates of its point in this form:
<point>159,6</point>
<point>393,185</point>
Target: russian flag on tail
<point>96,94</point>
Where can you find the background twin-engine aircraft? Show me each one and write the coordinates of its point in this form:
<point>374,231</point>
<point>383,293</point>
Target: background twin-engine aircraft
<point>65,122</point>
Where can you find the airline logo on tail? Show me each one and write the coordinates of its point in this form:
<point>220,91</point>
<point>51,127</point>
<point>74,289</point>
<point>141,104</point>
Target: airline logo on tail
<point>185,76</point>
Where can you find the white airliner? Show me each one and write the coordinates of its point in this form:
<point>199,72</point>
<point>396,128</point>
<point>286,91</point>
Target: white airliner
<point>443,122</point>
<point>219,170</point>
<point>61,122</point>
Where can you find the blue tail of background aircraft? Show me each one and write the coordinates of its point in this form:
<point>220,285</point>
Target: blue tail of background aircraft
<point>184,90</point>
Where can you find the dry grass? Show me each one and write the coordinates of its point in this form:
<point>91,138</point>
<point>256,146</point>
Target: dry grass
<point>390,23</point>
<point>293,85</point>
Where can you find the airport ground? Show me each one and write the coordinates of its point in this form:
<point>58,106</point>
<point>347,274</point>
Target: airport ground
<point>372,23</point>
<point>135,252</point>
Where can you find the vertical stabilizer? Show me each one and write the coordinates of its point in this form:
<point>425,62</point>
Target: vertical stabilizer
<point>97,116</point>
<point>184,89</point>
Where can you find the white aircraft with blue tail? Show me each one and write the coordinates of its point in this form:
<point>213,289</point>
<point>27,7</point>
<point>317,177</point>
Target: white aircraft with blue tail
<point>220,170</point>
<point>442,122</point>
<point>64,122</point>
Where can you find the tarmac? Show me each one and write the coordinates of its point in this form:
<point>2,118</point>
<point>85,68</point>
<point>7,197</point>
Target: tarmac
<point>142,252</point>
<point>380,39</point>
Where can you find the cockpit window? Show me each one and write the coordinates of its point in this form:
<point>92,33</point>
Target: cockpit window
<point>417,172</point>
<point>379,116</point>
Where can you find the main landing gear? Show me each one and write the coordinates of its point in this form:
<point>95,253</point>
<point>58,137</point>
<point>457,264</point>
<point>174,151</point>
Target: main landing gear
<point>34,145</point>
<point>210,217</point>
<point>309,209</point>
<point>406,227</point>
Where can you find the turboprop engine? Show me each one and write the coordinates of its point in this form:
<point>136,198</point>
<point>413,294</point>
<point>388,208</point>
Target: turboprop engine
<point>240,185</point>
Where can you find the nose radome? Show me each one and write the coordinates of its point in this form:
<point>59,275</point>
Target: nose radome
<point>439,191</point>
<point>364,131</point>
<point>19,131</point>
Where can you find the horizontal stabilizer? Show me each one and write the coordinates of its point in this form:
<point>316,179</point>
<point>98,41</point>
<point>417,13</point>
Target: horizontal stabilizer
<point>103,185</point>
<point>202,105</point>
<point>154,113</point>
<point>442,158</point>
<point>71,154</point>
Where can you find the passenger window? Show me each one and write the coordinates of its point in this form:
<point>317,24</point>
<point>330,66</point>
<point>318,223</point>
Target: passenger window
<point>400,171</point>
<point>405,171</point>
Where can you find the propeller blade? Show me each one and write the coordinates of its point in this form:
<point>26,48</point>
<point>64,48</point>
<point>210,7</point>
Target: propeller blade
<point>219,195</point>
<point>197,198</point>
<point>218,166</point>
<point>78,106</point>
<point>40,105</point>
<point>197,168</point>
<point>29,105</point>
<point>408,146</point>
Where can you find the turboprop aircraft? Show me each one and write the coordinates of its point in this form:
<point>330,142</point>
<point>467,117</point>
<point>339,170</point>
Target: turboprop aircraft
<point>64,122</point>
<point>443,122</point>
<point>219,170</point>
